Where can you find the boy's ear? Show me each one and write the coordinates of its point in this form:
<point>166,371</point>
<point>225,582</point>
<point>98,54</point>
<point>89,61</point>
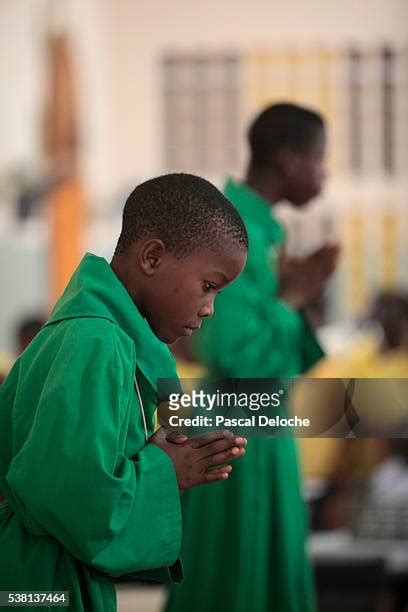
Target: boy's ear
<point>287,161</point>
<point>151,255</point>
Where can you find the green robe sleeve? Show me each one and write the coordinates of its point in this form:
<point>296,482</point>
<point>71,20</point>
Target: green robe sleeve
<point>253,334</point>
<point>71,474</point>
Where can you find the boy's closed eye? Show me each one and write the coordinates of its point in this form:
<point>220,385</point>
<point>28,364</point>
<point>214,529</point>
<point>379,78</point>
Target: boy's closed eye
<point>208,286</point>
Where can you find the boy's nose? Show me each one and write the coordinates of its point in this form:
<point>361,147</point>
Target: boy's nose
<point>207,310</point>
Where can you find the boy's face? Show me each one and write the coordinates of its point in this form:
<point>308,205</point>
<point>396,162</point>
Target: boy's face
<point>307,173</point>
<point>182,292</point>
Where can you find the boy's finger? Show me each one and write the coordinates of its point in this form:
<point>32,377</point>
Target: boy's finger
<point>214,476</point>
<point>159,436</point>
<point>217,474</point>
<point>221,470</point>
<point>176,437</point>
<point>211,437</point>
<point>229,455</point>
<point>219,446</point>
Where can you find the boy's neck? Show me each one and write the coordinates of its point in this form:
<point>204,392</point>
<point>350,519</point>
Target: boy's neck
<point>119,265</point>
<point>266,183</point>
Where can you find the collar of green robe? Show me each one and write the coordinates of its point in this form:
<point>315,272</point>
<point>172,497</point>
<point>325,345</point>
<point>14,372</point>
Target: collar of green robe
<point>254,207</point>
<point>95,291</point>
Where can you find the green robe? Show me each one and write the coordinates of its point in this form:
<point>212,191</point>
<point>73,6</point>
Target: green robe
<point>86,497</point>
<point>244,540</point>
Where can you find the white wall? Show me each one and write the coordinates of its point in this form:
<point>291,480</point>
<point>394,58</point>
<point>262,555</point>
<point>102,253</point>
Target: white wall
<point>142,31</point>
<point>117,48</point>
<point>118,45</point>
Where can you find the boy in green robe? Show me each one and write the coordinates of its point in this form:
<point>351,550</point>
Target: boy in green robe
<point>91,491</point>
<point>244,544</point>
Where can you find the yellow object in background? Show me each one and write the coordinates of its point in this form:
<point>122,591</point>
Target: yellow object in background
<point>365,360</point>
<point>389,227</point>
<point>66,211</point>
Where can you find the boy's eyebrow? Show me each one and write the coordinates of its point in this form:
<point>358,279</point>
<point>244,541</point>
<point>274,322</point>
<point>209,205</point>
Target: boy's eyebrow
<point>224,277</point>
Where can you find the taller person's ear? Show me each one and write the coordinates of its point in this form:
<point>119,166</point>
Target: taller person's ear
<point>287,161</point>
<point>151,255</point>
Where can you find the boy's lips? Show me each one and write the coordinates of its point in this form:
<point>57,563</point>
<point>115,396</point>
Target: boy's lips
<point>190,328</point>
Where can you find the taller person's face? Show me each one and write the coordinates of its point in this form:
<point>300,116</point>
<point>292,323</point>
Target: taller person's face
<point>309,176</point>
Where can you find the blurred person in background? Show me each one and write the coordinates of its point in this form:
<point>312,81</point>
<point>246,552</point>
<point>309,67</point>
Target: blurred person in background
<point>244,545</point>
<point>27,329</point>
<point>335,468</point>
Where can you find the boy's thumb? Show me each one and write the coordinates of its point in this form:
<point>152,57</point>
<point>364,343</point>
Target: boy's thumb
<point>176,437</point>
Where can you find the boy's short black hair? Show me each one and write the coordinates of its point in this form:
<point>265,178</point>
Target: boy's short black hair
<point>282,126</point>
<point>184,211</point>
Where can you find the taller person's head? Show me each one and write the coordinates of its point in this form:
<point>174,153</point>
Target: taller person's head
<point>181,242</point>
<point>287,151</point>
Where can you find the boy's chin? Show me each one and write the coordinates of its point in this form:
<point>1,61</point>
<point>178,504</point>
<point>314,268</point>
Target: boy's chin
<point>166,336</point>
<point>174,337</point>
<point>301,203</point>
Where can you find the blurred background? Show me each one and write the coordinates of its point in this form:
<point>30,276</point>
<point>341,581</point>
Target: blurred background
<point>99,95</point>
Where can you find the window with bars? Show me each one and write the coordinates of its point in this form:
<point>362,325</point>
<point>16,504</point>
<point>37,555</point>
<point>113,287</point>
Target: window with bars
<point>201,112</point>
<point>362,92</point>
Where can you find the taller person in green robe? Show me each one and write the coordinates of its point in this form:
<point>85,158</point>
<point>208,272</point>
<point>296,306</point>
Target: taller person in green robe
<point>244,544</point>
<point>90,490</point>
